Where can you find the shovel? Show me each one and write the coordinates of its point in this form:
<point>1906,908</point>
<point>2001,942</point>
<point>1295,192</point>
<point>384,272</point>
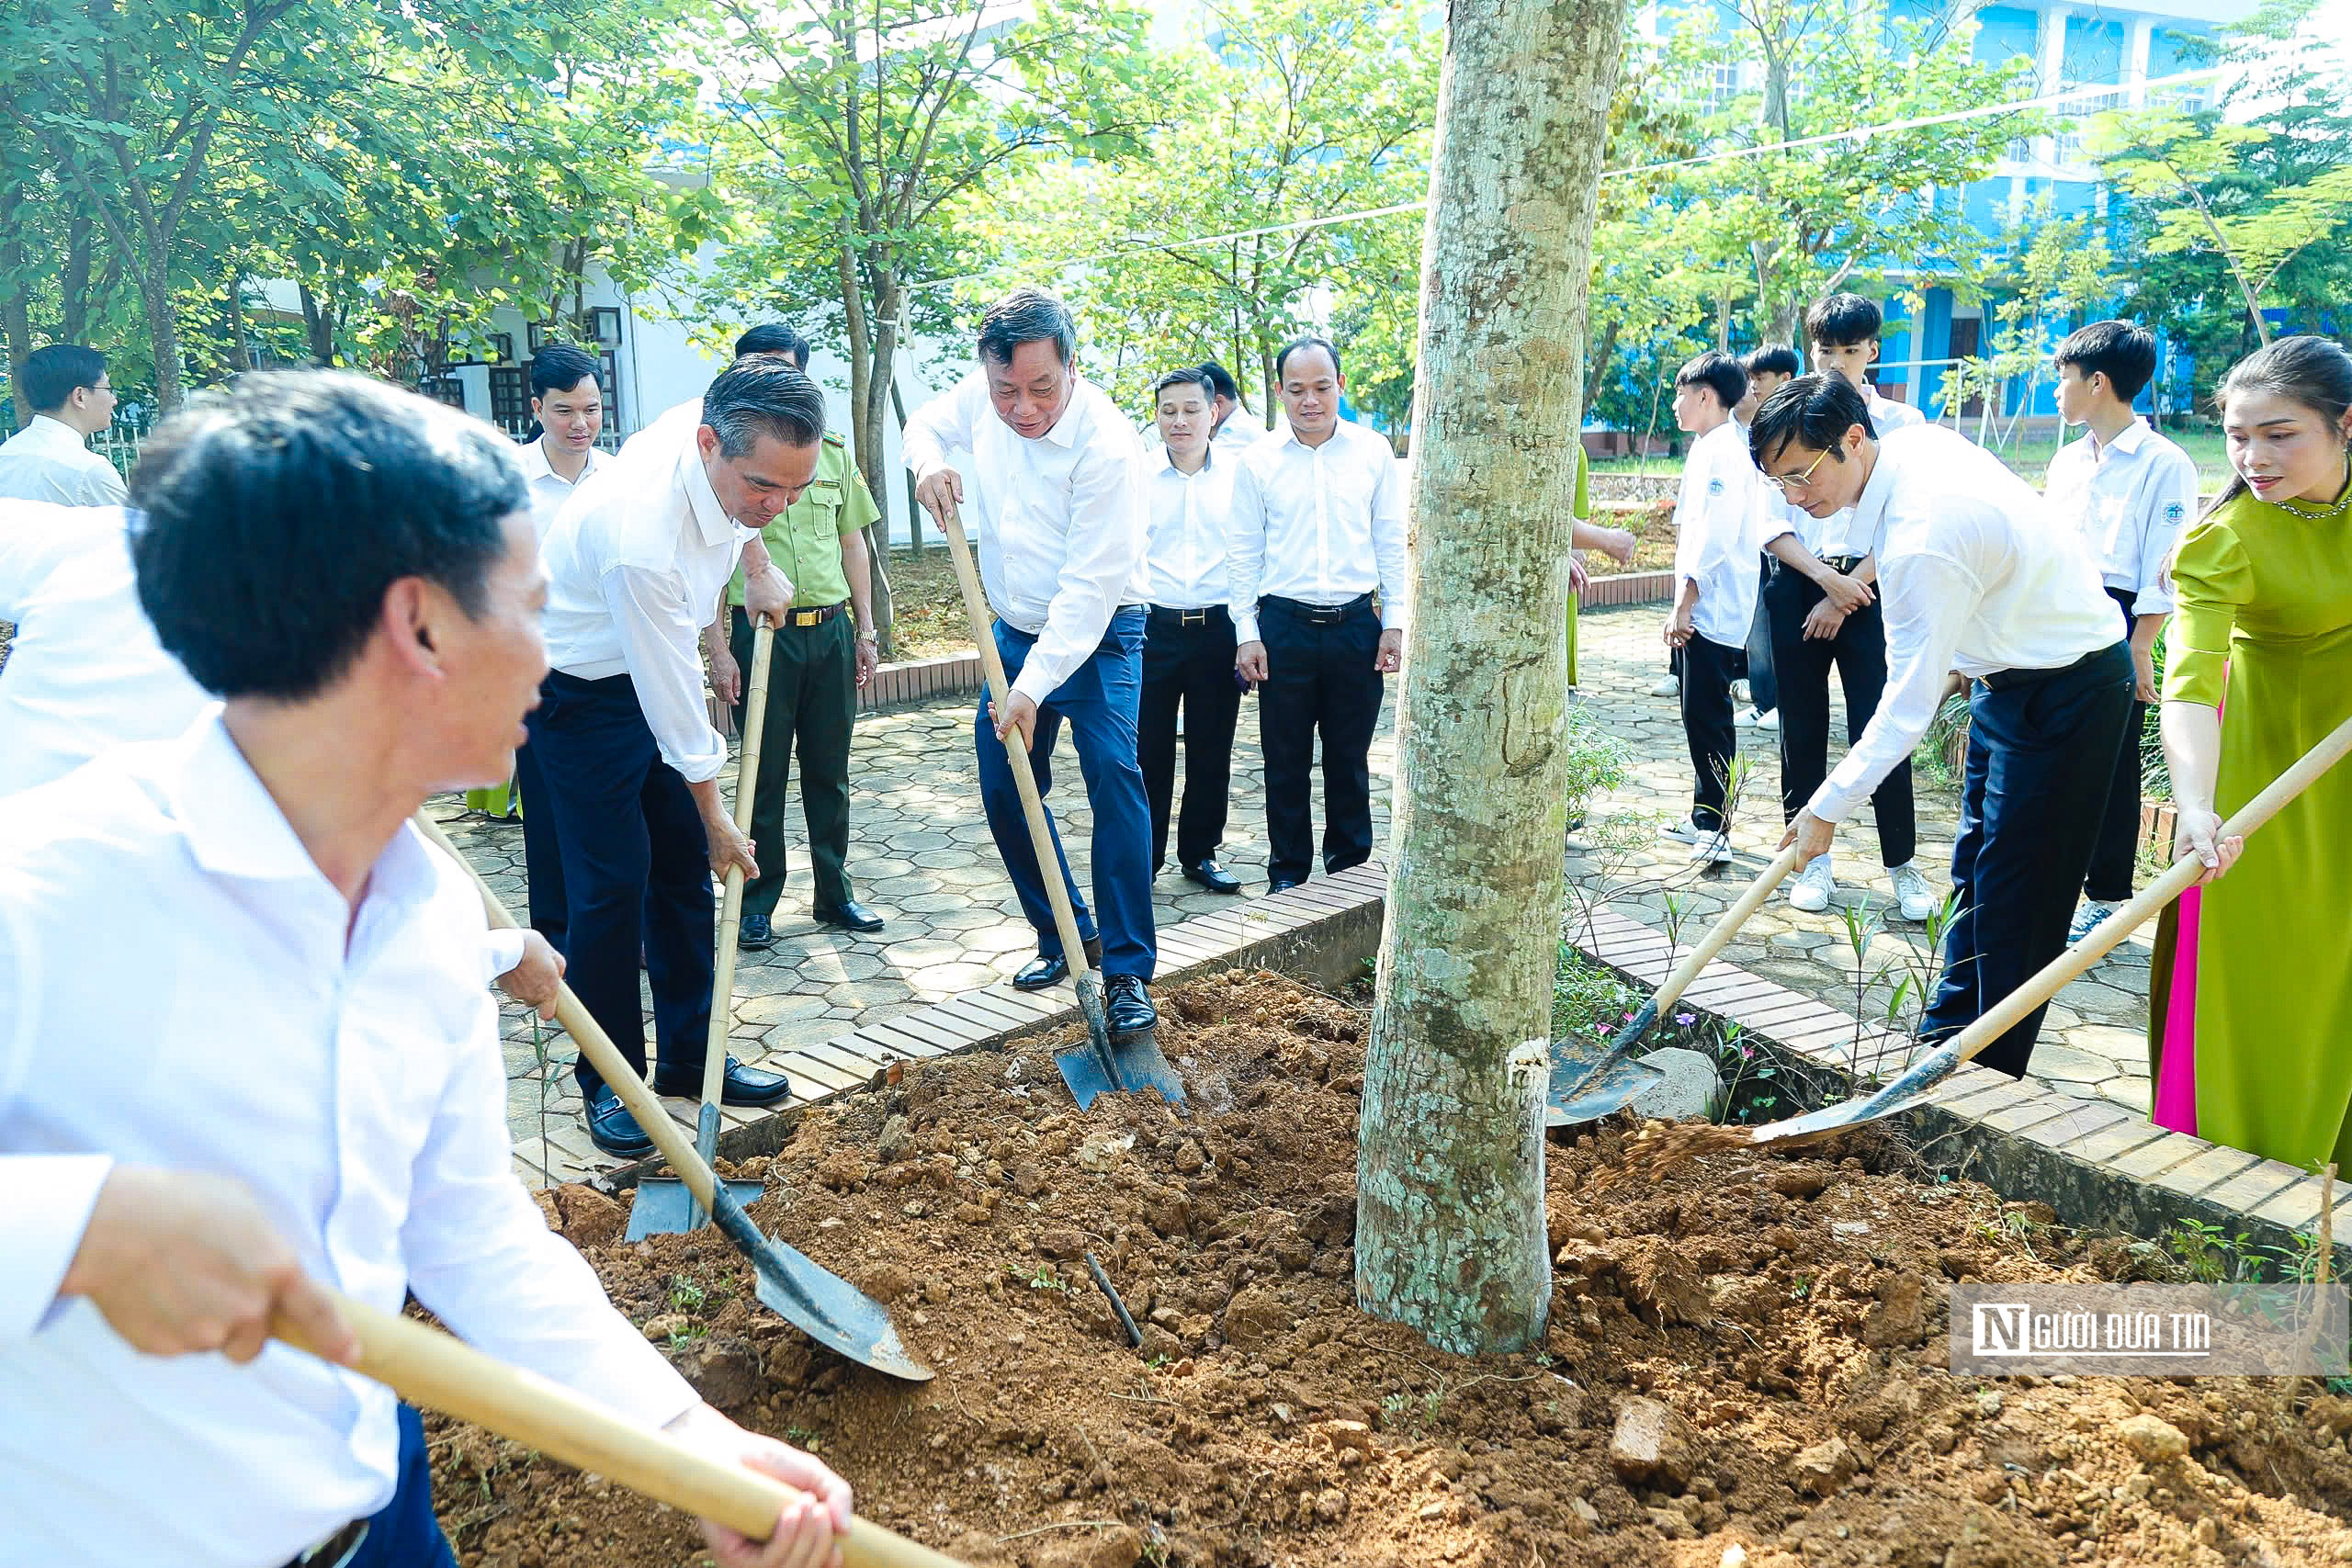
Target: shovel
<point>665,1205</point>
<point>1938,1065</point>
<point>434,1372</point>
<point>1585,1084</point>
<point>1103,1064</point>
<point>820,1304</point>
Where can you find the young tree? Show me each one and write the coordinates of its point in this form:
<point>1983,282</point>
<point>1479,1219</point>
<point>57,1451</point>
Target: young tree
<point>2059,266</point>
<point>1449,1230</point>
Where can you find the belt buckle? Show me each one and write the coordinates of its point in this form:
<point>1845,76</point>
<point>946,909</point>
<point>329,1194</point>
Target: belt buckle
<point>1192,617</point>
<point>807,617</point>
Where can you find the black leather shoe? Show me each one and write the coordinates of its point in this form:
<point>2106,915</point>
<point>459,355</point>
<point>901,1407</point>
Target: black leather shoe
<point>851,917</point>
<point>755,936</point>
<point>1130,1011</point>
<point>744,1086</point>
<point>1052,971</point>
<point>612,1129</point>
<point>1280,884</point>
<point>1213,877</point>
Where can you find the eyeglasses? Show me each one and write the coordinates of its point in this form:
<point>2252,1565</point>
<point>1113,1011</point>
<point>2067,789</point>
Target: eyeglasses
<point>1782,481</point>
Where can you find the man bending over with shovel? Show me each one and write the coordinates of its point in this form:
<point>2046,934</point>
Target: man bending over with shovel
<point>300,1084</point>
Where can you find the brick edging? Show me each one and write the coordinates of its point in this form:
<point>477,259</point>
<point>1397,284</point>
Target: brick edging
<point>1626,588</point>
<point>912,680</point>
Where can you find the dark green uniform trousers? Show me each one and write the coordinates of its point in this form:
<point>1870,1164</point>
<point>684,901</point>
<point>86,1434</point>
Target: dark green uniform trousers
<point>812,700</point>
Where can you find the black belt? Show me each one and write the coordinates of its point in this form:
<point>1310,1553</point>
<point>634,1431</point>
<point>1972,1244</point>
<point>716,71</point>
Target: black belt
<point>336,1549</point>
<point>813,614</point>
<point>1167,615</point>
<point>1317,614</point>
<point>1843,564</point>
<point>2006,679</point>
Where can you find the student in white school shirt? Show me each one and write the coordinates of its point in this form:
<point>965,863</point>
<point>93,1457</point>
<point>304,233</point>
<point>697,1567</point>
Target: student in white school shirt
<point>306,1086</point>
<point>66,385</point>
<point>2130,492</point>
<point>1714,580</point>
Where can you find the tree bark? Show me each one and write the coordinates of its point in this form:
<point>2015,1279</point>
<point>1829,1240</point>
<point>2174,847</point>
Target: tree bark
<point>1450,1232</point>
<point>866,350</point>
<point>163,335</point>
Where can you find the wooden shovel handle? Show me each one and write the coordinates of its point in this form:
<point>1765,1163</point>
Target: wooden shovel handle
<point>434,1372</point>
<point>2004,1014</point>
<point>1727,926</point>
<point>1025,777</point>
<point>598,1047</point>
<point>731,913</point>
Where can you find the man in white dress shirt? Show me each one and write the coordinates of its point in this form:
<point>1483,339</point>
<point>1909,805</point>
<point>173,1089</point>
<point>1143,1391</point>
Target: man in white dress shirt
<point>1232,426</point>
<point>1188,644</point>
<point>1977,576</point>
<point>1318,524</point>
<point>635,564</point>
<point>305,1087</point>
<point>1057,477</point>
<point>2130,492</point>
<point>568,404</point>
<point>49,459</point>
<point>1714,587</point>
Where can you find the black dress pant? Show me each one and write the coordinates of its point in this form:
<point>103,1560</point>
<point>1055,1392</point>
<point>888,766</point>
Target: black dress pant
<point>1708,670</point>
<point>635,872</point>
<point>542,855</point>
<point>1801,666</point>
<point>2041,753</point>
<point>1321,676</point>
<point>2115,854</point>
<point>1763,685</point>
<point>1188,665</point>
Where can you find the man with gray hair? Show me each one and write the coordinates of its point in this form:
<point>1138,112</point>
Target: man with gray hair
<point>635,561</point>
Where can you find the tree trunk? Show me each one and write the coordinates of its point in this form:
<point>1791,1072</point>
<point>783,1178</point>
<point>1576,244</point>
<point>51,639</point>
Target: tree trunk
<point>73,283</point>
<point>1449,1230</point>
<point>163,334</point>
<point>317,325</point>
<point>914,511</point>
<point>865,362</point>
<point>17,327</point>
<point>1598,367</point>
<point>239,360</point>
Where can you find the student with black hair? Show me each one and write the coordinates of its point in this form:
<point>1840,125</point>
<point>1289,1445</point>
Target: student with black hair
<point>2130,492</point>
<point>1768,369</point>
<point>1975,576</point>
<point>1057,477</point>
<point>635,562</point>
<point>1714,588</point>
<point>1843,333</point>
<point>1319,527</point>
<point>50,459</point>
<point>307,1088</point>
<point>1236,426</point>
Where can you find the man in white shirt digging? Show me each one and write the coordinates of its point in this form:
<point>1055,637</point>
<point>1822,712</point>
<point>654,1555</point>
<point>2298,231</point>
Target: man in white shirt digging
<point>305,1081</point>
<point>1975,576</point>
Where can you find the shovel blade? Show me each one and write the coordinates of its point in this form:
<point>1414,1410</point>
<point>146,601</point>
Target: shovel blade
<point>1579,1094</point>
<point>1908,1090</point>
<point>1083,1073</point>
<point>833,1312</point>
<point>666,1206</point>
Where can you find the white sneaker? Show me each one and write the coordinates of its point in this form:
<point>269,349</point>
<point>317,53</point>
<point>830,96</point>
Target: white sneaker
<point>1715,850</point>
<point>1812,886</point>
<point>1668,686</point>
<point>1769,722</point>
<point>2088,917</point>
<point>1739,692</point>
<point>1682,832</point>
<point>1913,896</point>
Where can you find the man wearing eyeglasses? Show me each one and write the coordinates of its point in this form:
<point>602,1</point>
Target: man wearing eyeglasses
<point>65,385</point>
<point>1976,575</point>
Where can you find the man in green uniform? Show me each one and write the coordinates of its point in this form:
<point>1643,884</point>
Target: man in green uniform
<point>824,652</point>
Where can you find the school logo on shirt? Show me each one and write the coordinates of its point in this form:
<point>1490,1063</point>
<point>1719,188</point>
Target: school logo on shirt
<point>1714,487</point>
<point>2174,512</point>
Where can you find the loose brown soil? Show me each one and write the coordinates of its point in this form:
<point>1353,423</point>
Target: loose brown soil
<point>1745,1362</point>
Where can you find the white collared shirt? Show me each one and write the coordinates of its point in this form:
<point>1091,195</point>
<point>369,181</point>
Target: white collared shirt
<point>1243,429</point>
<point>1320,525</point>
<point>2130,499</point>
<point>1063,518</point>
<point>49,460</point>
<point>1841,535</point>
<point>551,490</point>
<point>1887,414</point>
<point>1975,576</point>
<point>636,561</point>
<point>344,1065</point>
<point>85,672</point>
<point>1191,516</point>
<point>1714,534</point>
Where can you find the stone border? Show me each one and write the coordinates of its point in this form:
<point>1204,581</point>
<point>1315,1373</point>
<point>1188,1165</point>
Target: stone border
<point>1322,931</point>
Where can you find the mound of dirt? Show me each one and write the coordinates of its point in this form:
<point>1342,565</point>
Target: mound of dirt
<point>1745,1366</point>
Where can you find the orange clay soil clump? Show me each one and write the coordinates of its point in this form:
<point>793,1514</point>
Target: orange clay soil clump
<point>1745,1362</point>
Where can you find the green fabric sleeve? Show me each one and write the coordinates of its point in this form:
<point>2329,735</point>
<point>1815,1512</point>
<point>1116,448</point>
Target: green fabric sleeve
<point>2213,579</point>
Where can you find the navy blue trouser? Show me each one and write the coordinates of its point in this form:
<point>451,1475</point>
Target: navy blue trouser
<point>2041,755</point>
<point>542,855</point>
<point>635,872</point>
<point>1099,699</point>
<point>1763,686</point>
<point>2116,853</point>
<point>403,1533</point>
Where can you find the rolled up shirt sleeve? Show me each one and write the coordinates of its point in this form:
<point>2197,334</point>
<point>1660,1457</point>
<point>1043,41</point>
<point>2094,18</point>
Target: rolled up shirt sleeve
<point>659,632</point>
<point>481,1257</point>
<point>1245,553</point>
<point>940,426</point>
<point>1107,537</point>
<point>1928,599</point>
<point>1388,529</point>
<point>502,950</point>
